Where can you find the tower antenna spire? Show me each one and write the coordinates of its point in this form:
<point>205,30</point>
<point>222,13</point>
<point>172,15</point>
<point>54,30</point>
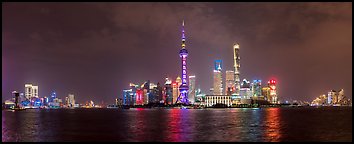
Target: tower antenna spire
<point>183,37</point>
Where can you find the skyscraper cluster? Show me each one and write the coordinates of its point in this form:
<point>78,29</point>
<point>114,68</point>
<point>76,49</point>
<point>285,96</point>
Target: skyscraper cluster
<point>336,98</point>
<point>32,99</point>
<point>149,93</point>
<point>180,91</point>
<point>235,90</point>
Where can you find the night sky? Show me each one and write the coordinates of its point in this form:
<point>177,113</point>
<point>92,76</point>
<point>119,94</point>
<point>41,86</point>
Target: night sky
<point>94,50</point>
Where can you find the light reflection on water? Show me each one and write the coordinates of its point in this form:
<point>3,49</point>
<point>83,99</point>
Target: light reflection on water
<point>178,125</point>
<point>272,131</point>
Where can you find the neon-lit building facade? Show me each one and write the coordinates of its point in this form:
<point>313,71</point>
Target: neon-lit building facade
<point>266,93</point>
<point>139,97</point>
<point>257,88</point>
<point>192,92</point>
<point>237,69</point>
<point>31,91</point>
<point>218,65</point>
<point>71,100</point>
<point>245,90</point>
<point>217,78</point>
<point>127,96</point>
<point>229,82</point>
<point>273,91</point>
<point>175,91</point>
<point>168,92</point>
<point>183,53</point>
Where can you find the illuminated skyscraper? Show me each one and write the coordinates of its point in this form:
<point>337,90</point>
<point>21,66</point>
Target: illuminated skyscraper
<point>168,92</point>
<point>245,89</point>
<point>217,76</point>
<point>146,91</point>
<point>191,95</point>
<point>16,95</point>
<point>158,93</point>
<point>139,97</point>
<point>273,91</point>
<point>183,53</point>
<point>153,93</point>
<point>230,82</point>
<point>237,68</point>
<point>127,96</point>
<point>175,91</point>
<point>53,95</point>
<point>71,100</point>
<point>341,96</point>
<point>31,91</point>
<point>266,93</point>
<point>256,88</point>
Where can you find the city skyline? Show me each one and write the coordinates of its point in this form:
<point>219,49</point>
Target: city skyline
<point>57,47</point>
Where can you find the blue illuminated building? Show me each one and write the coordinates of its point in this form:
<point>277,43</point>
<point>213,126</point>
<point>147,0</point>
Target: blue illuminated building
<point>217,65</point>
<point>183,53</point>
<point>52,96</point>
<point>128,97</point>
<point>37,102</point>
<point>257,88</point>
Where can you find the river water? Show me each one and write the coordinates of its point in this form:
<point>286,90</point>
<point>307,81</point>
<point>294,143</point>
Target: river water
<point>179,125</point>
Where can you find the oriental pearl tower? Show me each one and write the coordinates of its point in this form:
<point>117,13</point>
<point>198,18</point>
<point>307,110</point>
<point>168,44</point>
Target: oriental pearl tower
<point>183,53</point>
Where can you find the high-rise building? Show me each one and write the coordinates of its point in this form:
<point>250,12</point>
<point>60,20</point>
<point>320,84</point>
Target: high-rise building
<point>332,97</point>
<point>217,76</point>
<point>16,95</point>
<point>218,65</point>
<point>266,93</point>
<point>31,91</point>
<point>237,69</point>
<point>134,88</point>
<point>146,91</point>
<point>71,100</point>
<point>191,94</point>
<point>245,89</point>
<point>53,95</point>
<point>67,103</point>
<point>139,97</point>
<point>183,53</point>
<point>178,84</point>
<point>257,88</point>
<point>175,92</point>
<point>127,96</point>
<point>273,91</point>
<point>341,97</point>
<point>153,93</point>
<point>229,82</point>
<point>337,98</point>
<point>159,93</point>
<point>168,92</point>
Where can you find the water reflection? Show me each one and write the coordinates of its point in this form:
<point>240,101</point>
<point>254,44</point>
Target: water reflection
<point>174,128</point>
<point>178,125</point>
<point>272,132</point>
<point>23,127</point>
<point>137,127</point>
